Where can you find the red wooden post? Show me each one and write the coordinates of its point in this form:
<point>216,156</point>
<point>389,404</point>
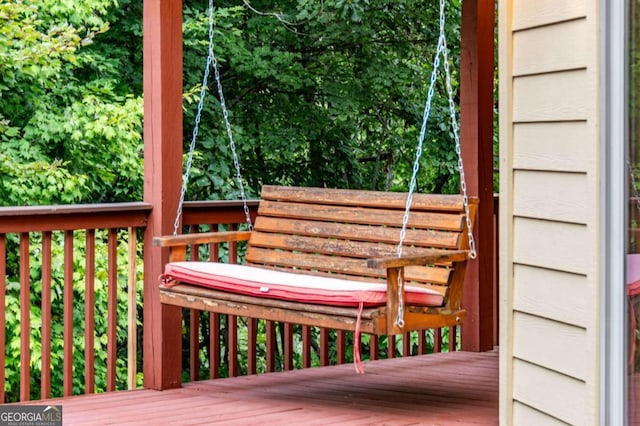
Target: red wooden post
<point>476,111</point>
<point>162,178</point>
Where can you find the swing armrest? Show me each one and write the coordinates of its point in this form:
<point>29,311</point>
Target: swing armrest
<point>395,267</point>
<point>436,256</point>
<point>200,238</point>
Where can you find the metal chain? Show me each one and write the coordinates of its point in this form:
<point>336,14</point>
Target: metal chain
<point>455,127</point>
<point>225,114</point>
<point>192,145</point>
<point>416,164</point>
<point>441,49</point>
<point>211,61</point>
<point>423,131</point>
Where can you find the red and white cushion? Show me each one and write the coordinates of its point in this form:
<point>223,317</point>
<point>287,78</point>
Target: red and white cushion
<point>289,286</point>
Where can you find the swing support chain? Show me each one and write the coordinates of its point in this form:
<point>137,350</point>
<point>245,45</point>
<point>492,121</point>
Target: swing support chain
<point>441,49</point>
<point>212,62</point>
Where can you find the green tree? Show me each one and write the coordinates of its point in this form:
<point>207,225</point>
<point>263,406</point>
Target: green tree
<point>70,106</point>
<point>322,94</point>
<point>326,94</point>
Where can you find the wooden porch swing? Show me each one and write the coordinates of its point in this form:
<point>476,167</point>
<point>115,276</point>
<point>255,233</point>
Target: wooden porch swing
<point>364,261</point>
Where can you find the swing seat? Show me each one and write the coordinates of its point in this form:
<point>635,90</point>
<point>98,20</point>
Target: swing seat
<point>327,258</point>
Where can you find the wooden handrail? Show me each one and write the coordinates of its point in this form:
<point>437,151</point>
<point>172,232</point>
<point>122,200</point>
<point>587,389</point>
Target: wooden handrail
<point>73,217</point>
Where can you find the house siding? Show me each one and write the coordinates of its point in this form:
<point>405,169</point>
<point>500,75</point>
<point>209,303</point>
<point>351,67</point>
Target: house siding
<point>549,193</point>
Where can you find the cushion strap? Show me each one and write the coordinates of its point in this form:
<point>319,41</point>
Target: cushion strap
<point>357,361</point>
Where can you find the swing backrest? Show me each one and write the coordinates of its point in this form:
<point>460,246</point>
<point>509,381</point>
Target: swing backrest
<point>333,232</point>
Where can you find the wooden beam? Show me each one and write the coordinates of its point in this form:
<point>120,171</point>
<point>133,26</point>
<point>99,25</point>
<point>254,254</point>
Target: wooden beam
<point>476,111</point>
<point>162,57</point>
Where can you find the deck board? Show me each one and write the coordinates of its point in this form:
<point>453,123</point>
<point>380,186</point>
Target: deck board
<point>441,389</point>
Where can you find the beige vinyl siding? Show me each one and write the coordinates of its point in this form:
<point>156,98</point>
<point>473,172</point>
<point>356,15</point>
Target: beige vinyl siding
<point>551,245</point>
<point>553,195</point>
<point>547,391</point>
<point>549,100</point>
<point>524,415</point>
<point>559,146</point>
<point>561,96</point>
<point>536,335</point>
<point>549,48</point>
<point>528,14</point>
<point>536,284</point>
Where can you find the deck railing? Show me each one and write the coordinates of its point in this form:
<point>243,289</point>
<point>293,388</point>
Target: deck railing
<point>71,306</point>
<point>69,299</point>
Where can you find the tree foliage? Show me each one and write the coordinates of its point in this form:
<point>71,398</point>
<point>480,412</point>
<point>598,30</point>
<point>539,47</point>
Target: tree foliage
<point>321,93</point>
<point>70,102</point>
<point>326,93</point>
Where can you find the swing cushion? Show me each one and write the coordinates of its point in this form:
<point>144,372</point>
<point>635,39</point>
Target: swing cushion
<point>293,287</point>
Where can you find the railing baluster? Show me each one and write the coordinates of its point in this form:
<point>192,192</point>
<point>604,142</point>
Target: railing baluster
<point>67,321</point>
<point>233,246</point>
<point>270,329</point>
<point>89,311</point>
<point>374,347</point>
<point>214,345</point>
<point>214,319</point>
<point>112,308</point>
<point>422,342</point>
<point>25,330</point>
<point>341,346</point>
<point>306,346</point>
<point>391,346</point>
<point>406,344</point>
<point>324,347</point>
<point>45,382</point>
<point>194,344</point>
<point>252,345</point>
<point>232,338</point>
<point>132,310</point>
<point>3,312</point>
<point>194,322</point>
<point>437,340</point>
<point>453,337</point>
<point>214,248</point>
<point>288,346</point>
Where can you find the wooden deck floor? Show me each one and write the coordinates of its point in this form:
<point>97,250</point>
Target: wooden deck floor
<point>459,388</point>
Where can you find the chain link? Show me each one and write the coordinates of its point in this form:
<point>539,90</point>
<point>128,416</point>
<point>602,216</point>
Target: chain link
<point>211,61</point>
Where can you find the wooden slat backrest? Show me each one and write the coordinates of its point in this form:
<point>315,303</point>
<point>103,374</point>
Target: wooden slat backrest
<point>334,231</point>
